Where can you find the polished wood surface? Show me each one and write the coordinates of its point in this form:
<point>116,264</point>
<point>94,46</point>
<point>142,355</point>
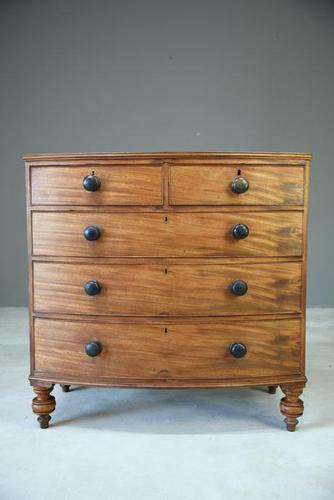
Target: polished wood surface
<point>173,234</point>
<point>43,404</point>
<point>166,259</point>
<point>119,186</point>
<point>178,351</point>
<point>155,289</point>
<point>211,185</point>
<point>290,158</point>
<point>291,406</point>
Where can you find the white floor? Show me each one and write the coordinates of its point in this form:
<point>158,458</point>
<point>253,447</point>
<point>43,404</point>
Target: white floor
<point>170,445</point>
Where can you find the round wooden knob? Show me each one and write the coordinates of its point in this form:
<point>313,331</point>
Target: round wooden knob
<point>92,287</point>
<point>238,350</point>
<point>92,233</point>
<point>239,185</point>
<point>93,348</point>
<point>91,183</point>
<point>240,231</point>
<point>239,287</point>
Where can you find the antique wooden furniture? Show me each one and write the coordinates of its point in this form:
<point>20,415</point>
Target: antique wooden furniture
<point>167,270</point>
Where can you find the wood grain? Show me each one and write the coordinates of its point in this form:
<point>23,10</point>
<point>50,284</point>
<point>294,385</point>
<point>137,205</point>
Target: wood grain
<point>161,235</point>
<point>119,186</point>
<point>164,156</point>
<point>40,378</point>
<point>304,266</point>
<point>149,351</point>
<point>154,289</point>
<point>166,259</point>
<point>211,185</point>
<point>43,404</point>
<point>291,406</point>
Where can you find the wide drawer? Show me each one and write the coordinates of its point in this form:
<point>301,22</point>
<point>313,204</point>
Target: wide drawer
<point>173,289</point>
<point>120,185</point>
<point>211,185</point>
<point>172,234</point>
<point>156,351</point>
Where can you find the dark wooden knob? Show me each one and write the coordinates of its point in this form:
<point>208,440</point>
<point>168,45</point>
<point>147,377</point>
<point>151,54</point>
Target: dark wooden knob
<point>92,233</point>
<point>238,350</point>
<point>239,185</point>
<point>239,287</point>
<point>93,348</point>
<point>91,183</point>
<point>92,287</point>
<point>240,231</point>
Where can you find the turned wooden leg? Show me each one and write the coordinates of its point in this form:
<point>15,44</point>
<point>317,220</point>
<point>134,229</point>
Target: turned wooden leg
<point>66,388</point>
<point>43,404</point>
<point>291,405</point>
<point>272,389</point>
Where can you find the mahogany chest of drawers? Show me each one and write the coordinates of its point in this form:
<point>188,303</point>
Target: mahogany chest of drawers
<point>167,270</point>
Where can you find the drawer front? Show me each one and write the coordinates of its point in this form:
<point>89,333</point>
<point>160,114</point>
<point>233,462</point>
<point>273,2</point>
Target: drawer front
<point>119,186</point>
<point>174,289</point>
<point>173,235</point>
<point>211,185</point>
<point>184,351</point>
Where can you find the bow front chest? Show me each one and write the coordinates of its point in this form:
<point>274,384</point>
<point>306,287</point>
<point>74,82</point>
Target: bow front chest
<point>167,270</point>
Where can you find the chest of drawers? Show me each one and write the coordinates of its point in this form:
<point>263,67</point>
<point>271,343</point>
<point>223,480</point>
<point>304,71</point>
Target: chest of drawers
<point>167,270</point>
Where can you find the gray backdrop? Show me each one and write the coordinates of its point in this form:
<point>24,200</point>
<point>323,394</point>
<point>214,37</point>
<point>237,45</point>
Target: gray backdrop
<point>80,75</point>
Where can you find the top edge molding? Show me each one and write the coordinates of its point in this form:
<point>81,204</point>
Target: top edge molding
<point>164,155</point>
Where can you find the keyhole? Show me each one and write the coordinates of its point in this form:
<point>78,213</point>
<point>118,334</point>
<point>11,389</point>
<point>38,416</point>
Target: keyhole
<point>166,330</point>
<point>93,172</point>
<point>166,220</point>
<point>239,172</point>
<point>165,270</point>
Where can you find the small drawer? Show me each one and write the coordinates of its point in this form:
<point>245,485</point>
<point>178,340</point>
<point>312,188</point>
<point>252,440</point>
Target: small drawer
<point>166,290</point>
<point>110,185</point>
<point>174,351</point>
<point>213,185</point>
<point>85,234</point>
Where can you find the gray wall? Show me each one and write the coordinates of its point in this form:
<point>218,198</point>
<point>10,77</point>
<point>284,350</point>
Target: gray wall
<point>79,75</point>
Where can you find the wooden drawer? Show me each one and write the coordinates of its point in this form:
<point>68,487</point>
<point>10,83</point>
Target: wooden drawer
<point>174,289</point>
<point>211,185</point>
<point>184,351</point>
<point>161,235</point>
<point>121,185</point>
